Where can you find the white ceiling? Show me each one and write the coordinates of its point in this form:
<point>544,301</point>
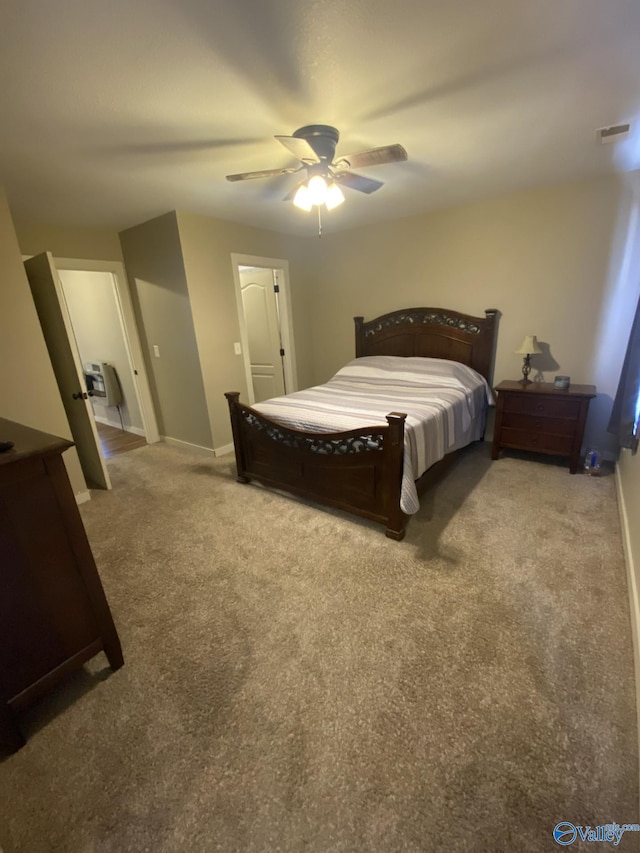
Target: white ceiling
<point>115,112</point>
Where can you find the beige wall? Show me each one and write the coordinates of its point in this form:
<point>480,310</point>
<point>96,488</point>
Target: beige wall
<point>629,474</point>
<point>542,257</point>
<point>93,308</point>
<point>28,389</point>
<point>181,275</point>
<point>100,244</point>
<point>207,245</point>
<point>624,293</point>
<point>629,497</point>
<point>155,267</point>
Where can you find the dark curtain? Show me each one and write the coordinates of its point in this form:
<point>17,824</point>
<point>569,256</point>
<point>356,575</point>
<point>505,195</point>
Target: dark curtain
<point>623,422</point>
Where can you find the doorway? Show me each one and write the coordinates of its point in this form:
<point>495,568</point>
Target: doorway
<point>87,319</point>
<point>50,305</point>
<point>105,333</point>
<point>266,327</point>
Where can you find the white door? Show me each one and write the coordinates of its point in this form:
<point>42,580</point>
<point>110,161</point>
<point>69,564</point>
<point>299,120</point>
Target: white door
<point>263,332</point>
<point>60,340</point>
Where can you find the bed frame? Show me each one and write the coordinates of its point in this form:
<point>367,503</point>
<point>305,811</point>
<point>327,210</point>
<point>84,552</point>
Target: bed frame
<point>360,471</point>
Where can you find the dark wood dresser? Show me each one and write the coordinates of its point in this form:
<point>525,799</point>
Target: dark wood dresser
<point>53,612</point>
<point>542,418</point>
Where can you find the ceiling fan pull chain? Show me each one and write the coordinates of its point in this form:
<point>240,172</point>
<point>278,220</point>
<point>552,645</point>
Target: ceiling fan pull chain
<point>319,222</point>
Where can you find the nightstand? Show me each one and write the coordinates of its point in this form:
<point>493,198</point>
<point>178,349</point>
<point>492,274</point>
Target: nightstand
<point>542,418</point>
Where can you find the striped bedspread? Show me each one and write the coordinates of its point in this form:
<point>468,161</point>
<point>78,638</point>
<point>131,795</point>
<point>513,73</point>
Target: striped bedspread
<point>445,403</point>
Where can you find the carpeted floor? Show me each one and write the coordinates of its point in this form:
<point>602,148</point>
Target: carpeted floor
<point>296,682</point>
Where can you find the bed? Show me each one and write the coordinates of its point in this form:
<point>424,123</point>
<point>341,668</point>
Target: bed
<point>374,468</point>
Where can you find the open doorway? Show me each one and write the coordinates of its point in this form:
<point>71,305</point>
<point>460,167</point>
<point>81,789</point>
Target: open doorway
<point>58,335</point>
<point>266,327</point>
<point>103,325</point>
<point>45,281</point>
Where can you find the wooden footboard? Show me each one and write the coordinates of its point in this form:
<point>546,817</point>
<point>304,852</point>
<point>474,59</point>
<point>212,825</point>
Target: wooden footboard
<point>359,471</point>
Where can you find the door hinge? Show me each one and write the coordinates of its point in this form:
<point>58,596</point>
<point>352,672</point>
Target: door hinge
<point>276,288</point>
<point>281,351</point>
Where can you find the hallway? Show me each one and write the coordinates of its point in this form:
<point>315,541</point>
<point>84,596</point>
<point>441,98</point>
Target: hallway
<point>114,441</point>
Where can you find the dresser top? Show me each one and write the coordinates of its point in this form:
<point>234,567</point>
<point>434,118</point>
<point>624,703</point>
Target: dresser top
<point>28,442</point>
<point>547,388</point>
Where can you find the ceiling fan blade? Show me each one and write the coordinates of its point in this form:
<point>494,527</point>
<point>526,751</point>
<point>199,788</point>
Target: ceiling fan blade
<point>373,157</point>
<point>265,173</point>
<point>357,182</point>
<point>300,148</point>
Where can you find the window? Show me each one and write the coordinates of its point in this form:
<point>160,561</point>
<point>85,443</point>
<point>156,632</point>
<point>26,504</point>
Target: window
<point>625,415</point>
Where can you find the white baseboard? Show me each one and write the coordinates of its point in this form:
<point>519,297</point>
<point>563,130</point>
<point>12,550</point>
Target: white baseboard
<point>83,497</point>
<point>222,451</point>
<point>634,599</point>
<point>118,425</point>
<point>185,445</point>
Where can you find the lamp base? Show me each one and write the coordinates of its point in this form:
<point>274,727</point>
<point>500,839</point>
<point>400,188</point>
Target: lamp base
<point>526,370</point>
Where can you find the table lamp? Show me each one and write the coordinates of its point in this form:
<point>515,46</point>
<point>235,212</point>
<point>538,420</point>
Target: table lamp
<point>528,348</point>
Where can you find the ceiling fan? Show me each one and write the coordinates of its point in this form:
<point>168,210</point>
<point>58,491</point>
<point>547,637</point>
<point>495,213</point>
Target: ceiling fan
<point>315,146</point>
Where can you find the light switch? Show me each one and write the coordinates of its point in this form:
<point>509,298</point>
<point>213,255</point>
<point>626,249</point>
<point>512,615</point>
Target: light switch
<point>237,348</point>
<point>156,350</point>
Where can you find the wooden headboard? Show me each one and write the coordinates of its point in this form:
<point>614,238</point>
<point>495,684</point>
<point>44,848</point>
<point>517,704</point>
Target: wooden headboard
<point>431,333</point>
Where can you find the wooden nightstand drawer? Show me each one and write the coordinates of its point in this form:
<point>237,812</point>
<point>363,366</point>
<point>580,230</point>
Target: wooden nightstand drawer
<point>538,441</point>
<point>540,405</point>
<point>557,426</point>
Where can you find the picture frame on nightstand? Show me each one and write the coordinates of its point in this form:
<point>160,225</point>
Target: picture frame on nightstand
<point>562,382</point>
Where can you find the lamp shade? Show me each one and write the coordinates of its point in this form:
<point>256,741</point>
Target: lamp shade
<point>301,198</point>
<point>317,187</point>
<point>335,196</point>
<point>314,193</point>
<point>529,346</point>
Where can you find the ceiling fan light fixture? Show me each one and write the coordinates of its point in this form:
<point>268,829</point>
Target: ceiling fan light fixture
<point>314,145</point>
<point>301,199</point>
<point>335,196</point>
<point>317,187</point>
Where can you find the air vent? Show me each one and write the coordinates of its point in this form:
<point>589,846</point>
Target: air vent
<point>613,133</point>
